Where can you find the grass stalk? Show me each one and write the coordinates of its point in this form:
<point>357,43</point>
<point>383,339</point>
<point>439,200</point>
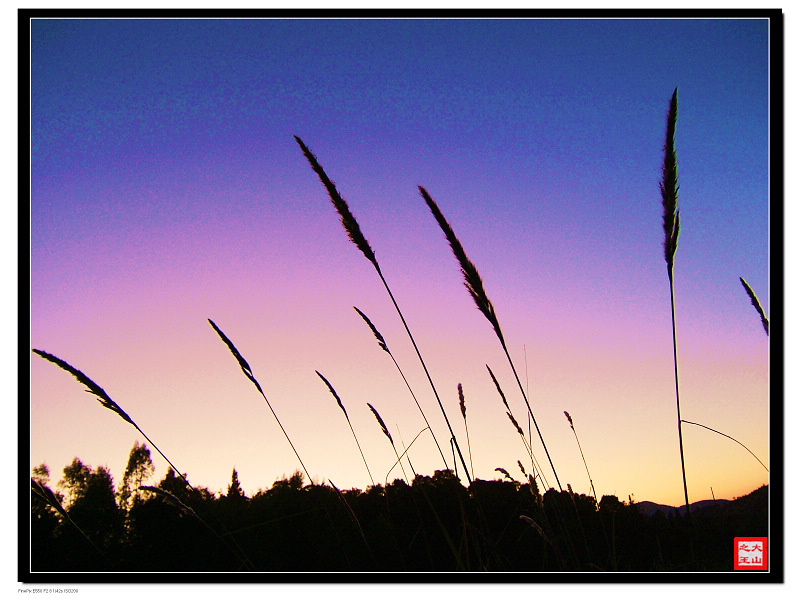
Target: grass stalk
<point>527,391</point>
<point>463,407</point>
<point>388,435</point>
<point>756,304</point>
<point>672,226</point>
<point>405,453</point>
<point>339,401</point>
<point>474,285</point>
<point>405,450</point>
<point>730,438</point>
<point>354,233</point>
<point>249,374</point>
<point>384,346</point>
<point>572,426</point>
<point>516,425</point>
<point>677,393</point>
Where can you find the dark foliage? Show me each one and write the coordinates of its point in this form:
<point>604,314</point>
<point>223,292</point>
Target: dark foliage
<point>434,524</point>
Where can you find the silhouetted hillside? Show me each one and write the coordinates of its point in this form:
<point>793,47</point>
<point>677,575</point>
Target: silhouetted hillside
<point>651,508</point>
<point>755,501</point>
<point>432,524</point>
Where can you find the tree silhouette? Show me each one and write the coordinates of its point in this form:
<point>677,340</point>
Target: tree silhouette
<point>44,521</point>
<point>74,480</point>
<point>176,486</point>
<point>234,489</point>
<point>140,468</point>
<point>41,474</point>
<point>95,515</point>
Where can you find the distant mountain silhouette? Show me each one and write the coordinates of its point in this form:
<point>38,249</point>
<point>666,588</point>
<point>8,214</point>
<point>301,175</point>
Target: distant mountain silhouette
<point>651,508</point>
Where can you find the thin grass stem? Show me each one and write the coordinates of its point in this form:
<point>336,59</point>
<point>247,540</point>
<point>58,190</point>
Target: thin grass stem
<point>339,401</point>
<point>384,346</point>
<point>354,233</point>
<point>462,404</point>
<point>677,391</point>
<point>249,374</point>
<point>405,450</point>
<point>405,453</point>
<point>389,436</point>
<point>672,225</point>
<point>514,422</point>
<point>572,426</point>
<point>474,285</point>
<point>730,438</point>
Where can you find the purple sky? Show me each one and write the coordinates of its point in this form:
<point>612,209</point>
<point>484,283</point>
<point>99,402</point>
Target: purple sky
<point>166,189</point>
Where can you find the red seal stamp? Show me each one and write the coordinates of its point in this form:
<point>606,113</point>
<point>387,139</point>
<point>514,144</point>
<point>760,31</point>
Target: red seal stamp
<point>750,554</point>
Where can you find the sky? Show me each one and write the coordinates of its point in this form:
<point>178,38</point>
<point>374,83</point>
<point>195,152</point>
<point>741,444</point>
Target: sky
<point>167,189</point>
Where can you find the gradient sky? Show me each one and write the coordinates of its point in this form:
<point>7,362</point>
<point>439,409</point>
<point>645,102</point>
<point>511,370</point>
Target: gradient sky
<point>166,189</point>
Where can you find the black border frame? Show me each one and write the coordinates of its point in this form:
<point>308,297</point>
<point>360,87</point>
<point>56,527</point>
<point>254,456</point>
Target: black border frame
<point>775,574</point>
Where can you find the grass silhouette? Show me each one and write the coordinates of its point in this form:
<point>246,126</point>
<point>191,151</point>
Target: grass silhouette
<point>384,346</point>
<point>354,233</point>
<point>474,285</point>
<point>249,374</point>
<point>572,426</point>
<point>672,227</point>
<point>339,402</point>
<point>730,438</point>
<point>389,436</point>
<point>756,304</point>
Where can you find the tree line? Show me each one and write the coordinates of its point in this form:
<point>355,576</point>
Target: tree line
<point>432,524</point>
